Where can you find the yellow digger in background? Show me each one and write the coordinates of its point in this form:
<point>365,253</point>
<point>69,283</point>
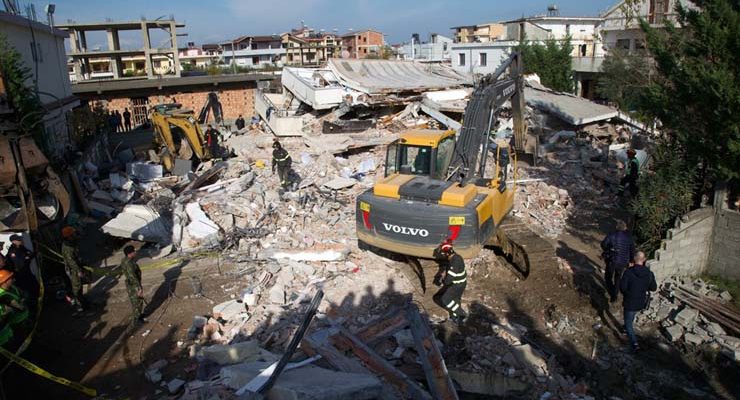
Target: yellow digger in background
<point>192,141</point>
<point>435,186</point>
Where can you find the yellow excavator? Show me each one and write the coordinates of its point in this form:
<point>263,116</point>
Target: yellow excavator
<point>435,186</point>
<point>192,141</point>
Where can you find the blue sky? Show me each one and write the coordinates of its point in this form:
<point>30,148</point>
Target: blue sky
<point>216,20</point>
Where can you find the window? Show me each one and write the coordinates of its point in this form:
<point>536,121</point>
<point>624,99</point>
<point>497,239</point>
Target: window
<point>445,150</point>
<point>623,44</point>
<point>461,59</point>
<point>567,29</point>
<point>391,158</point>
<point>416,160</point>
<point>483,59</point>
<point>583,50</point>
<point>444,46</point>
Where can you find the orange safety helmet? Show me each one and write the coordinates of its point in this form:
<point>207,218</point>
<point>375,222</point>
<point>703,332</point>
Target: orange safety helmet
<point>68,232</point>
<point>5,275</point>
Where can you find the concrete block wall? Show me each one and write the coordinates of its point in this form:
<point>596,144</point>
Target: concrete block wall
<point>725,254</point>
<point>686,248</point>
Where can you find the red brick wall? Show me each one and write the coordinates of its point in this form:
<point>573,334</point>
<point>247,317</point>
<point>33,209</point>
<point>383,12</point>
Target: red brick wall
<point>234,100</point>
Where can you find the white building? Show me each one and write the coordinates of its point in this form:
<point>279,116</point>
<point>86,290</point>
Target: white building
<point>583,32</point>
<point>437,49</point>
<point>42,50</point>
<point>480,58</point>
<point>621,28</point>
<point>255,58</point>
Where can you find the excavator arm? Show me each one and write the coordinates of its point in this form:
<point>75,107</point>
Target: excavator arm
<point>212,106</point>
<point>191,132</point>
<point>491,93</point>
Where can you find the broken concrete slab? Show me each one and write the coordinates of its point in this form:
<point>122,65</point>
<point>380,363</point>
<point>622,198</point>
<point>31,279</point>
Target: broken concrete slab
<point>182,167</point>
<point>571,109</point>
<point>228,310</point>
<point>277,295</point>
<point>200,226</point>
<point>175,385</point>
<point>102,195</point>
<point>687,317</point>
<point>530,358</point>
<point>308,382</point>
<point>488,383</point>
<point>233,353</point>
<point>340,183</point>
<point>120,181</point>
<point>336,254</point>
<point>674,332</point>
<point>139,222</point>
<point>692,338</point>
<point>144,172</point>
<point>715,329</point>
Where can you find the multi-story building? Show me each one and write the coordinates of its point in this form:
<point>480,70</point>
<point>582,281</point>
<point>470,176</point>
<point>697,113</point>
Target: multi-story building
<point>82,55</point>
<point>42,50</point>
<point>305,47</point>
<point>254,51</point>
<point>621,27</point>
<point>198,57</point>
<point>437,49</point>
<point>362,44</point>
<point>480,33</point>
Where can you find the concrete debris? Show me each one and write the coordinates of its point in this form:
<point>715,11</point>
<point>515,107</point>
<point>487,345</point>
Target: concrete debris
<point>687,317</point>
<point>531,359</point>
<point>228,310</point>
<point>233,353</point>
<point>144,172</point>
<point>200,226</point>
<point>139,222</point>
<point>175,385</point>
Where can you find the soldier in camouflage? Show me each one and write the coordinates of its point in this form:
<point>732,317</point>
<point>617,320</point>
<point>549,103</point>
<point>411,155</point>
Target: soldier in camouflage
<point>132,273</point>
<point>72,265</point>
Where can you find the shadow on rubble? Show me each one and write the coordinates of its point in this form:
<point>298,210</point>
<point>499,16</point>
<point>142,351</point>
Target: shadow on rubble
<point>657,372</point>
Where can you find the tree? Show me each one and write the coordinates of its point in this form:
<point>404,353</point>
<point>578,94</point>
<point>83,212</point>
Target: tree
<point>624,79</point>
<point>29,113</point>
<point>551,61</point>
<point>696,94</point>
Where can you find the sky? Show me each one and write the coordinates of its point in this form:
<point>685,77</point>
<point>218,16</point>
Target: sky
<point>209,21</point>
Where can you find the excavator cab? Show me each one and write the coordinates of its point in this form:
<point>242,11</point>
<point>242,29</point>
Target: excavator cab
<point>421,152</point>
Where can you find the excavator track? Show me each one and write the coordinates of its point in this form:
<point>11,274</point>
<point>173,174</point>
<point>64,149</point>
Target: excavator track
<point>524,248</point>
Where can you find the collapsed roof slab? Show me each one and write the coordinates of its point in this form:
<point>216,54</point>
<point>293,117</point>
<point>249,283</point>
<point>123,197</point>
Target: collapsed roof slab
<point>574,110</point>
<point>379,77</point>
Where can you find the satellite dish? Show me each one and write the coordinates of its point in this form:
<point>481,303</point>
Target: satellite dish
<point>345,54</point>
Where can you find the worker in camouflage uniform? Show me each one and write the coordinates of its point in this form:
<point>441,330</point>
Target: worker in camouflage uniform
<point>72,265</point>
<point>282,162</point>
<point>132,273</point>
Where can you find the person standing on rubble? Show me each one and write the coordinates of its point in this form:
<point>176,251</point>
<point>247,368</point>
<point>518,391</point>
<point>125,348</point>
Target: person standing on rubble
<point>127,119</point>
<point>72,265</point>
<point>453,279</point>
<point>212,139</point>
<point>132,273</point>
<point>618,249</point>
<point>240,123</point>
<point>637,281</point>
<point>632,172</point>
<point>282,162</point>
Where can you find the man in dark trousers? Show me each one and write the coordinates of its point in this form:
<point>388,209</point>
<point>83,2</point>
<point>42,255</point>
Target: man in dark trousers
<point>453,279</point>
<point>632,172</point>
<point>240,123</point>
<point>132,273</point>
<point>212,140</point>
<point>282,162</point>
<point>618,250</point>
<point>636,282</point>
<point>18,259</point>
<point>119,121</point>
<point>126,119</point>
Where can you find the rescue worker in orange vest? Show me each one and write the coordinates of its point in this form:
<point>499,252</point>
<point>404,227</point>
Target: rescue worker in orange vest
<point>453,279</point>
<point>13,310</point>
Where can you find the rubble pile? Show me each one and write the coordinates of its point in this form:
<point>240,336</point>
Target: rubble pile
<point>687,326</point>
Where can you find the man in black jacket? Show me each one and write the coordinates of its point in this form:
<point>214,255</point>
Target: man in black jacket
<point>635,284</point>
<point>240,123</point>
<point>281,161</point>
<point>618,250</point>
<point>453,279</point>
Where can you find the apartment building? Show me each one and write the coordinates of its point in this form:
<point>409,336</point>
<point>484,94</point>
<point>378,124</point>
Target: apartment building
<point>362,44</point>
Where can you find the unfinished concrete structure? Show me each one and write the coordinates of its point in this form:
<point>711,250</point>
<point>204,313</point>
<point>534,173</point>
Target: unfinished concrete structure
<point>81,54</point>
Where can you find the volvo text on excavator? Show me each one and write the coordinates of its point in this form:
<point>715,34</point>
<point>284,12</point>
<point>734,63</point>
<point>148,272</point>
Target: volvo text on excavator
<point>435,185</point>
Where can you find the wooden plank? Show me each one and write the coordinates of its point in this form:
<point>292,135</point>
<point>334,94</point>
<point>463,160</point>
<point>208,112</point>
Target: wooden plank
<point>386,326</point>
<point>318,343</point>
<point>438,379</point>
<point>709,312</point>
<point>379,365</point>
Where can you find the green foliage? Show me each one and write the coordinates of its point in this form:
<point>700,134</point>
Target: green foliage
<point>551,61</point>
<point>666,192</point>
<point>29,112</point>
<point>697,96</point>
<point>86,122</point>
<point>625,79</point>
<point>725,284</point>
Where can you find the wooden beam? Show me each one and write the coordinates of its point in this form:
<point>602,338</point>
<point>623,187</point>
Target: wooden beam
<point>438,379</point>
<point>318,343</point>
<point>379,365</point>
